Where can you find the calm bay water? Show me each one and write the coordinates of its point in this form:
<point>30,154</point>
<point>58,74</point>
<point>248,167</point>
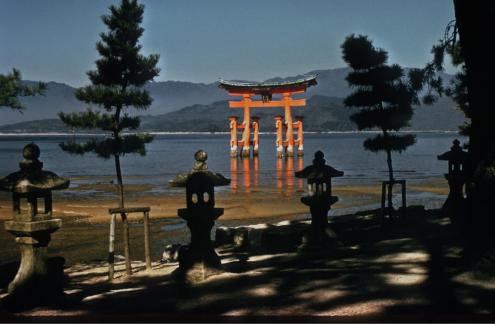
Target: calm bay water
<point>171,154</point>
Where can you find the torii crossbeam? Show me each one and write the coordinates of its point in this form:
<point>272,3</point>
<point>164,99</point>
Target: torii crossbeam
<point>266,90</point>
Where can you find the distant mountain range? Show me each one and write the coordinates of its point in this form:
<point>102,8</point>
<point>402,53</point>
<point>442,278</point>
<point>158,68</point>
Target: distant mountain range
<point>187,106</point>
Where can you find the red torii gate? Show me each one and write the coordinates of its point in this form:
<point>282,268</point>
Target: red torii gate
<point>266,90</point>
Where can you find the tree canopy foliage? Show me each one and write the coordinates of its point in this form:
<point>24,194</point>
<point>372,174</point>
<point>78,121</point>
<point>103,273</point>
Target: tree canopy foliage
<point>384,99</point>
<point>11,88</point>
<point>116,85</point>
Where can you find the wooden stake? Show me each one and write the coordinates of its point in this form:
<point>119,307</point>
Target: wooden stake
<point>127,252</point>
<point>111,248</point>
<point>147,240</point>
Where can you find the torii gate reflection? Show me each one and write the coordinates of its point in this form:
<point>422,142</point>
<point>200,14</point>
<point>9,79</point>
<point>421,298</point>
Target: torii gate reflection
<point>244,175</point>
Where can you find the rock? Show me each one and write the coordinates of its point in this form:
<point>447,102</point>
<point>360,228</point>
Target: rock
<point>283,236</point>
<point>171,253</point>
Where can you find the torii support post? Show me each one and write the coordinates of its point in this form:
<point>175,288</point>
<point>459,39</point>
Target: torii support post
<point>289,135</point>
<point>299,142</point>
<point>256,127</point>
<point>279,142</point>
<point>233,136</point>
<point>246,134</point>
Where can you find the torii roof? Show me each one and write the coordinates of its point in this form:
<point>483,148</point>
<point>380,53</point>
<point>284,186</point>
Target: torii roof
<point>268,87</point>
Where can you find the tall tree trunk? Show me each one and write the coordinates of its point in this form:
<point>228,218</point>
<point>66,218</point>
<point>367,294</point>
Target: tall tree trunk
<point>116,136</point>
<point>474,21</point>
<point>120,184</point>
<point>390,179</point>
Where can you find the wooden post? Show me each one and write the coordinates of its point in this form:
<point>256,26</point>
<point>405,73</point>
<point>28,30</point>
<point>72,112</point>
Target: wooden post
<point>147,254</point>
<point>289,137</point>
<point>256,124</point>
<point>123,212</point>
<point>127,252</point>
<point>233,136</point>
<point>404,197</point>
<point>299,141</point>
<point>246,134</point>
<point>382,210</point>
<point>279,142</point>
<point>111,248</point>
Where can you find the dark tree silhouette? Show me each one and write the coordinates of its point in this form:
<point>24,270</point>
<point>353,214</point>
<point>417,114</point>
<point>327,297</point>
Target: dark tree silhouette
<point>466,42</point>
<point>385,101</point>
<point>474,21</point>
<point>116,85</point>
<point>11,88</point>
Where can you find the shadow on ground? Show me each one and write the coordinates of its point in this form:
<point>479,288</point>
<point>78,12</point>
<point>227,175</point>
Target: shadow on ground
<point>407,270</point>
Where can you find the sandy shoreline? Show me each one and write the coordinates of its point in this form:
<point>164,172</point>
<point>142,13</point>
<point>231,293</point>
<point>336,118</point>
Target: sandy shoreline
<point>93,200</point>
<point>84,234</point>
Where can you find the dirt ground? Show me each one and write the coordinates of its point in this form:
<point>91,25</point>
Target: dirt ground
<point>408,270</point>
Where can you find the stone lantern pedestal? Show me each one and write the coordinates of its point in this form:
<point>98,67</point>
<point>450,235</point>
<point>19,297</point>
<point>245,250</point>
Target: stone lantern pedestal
<point>456,177</point>
<point>36,281</point>
<point>198,260</point>
<point>319,199</point>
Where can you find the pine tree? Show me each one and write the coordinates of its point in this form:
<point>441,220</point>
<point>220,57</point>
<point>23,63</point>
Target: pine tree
<point>116,86</point>
<point>384,99</point>
<point>11,88</point>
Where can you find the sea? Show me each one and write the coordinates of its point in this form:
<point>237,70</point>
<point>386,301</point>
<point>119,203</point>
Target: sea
<point>172,154</point>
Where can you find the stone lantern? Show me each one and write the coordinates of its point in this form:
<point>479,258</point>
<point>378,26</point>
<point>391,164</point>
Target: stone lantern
<point>32,227</point>
<point>198,260</point>
<point>456,178</point>
<point>319,199</point>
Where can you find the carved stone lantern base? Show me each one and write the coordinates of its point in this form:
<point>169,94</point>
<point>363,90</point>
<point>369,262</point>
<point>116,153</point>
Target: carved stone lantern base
<point>194,267</point>
<point>324,241</point>
<point>39,278</point>
<point>198,260</point>
<point>319,237</point>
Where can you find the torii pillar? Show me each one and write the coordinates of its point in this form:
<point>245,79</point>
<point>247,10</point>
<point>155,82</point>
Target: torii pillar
<point>299,141</point>
<point>256,130</point>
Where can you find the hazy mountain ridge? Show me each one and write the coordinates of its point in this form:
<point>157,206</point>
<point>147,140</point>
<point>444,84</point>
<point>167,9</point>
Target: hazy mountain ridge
<point>206,107</point>
<point>322,113</point>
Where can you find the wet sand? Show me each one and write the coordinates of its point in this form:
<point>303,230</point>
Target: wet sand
<point>84,211</point>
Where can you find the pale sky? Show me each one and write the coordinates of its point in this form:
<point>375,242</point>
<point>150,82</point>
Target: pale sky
<point>201,41</point>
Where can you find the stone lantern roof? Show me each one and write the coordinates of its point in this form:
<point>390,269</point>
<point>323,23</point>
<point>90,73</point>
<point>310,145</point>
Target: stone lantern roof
<point>31,178</point>
<point>318,170</point>
<point>456,154</point>
<point>200,166</point>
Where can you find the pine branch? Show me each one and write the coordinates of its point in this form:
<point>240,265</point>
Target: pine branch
<point>87,120</point>
<point>11,88</point>
<point>396,143</point>
<point>390,118</point>
<point>127,122</point>
<point>359,53</point>
<point>109,97</point>
<point>78,149</point>
<point>375,75</point>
